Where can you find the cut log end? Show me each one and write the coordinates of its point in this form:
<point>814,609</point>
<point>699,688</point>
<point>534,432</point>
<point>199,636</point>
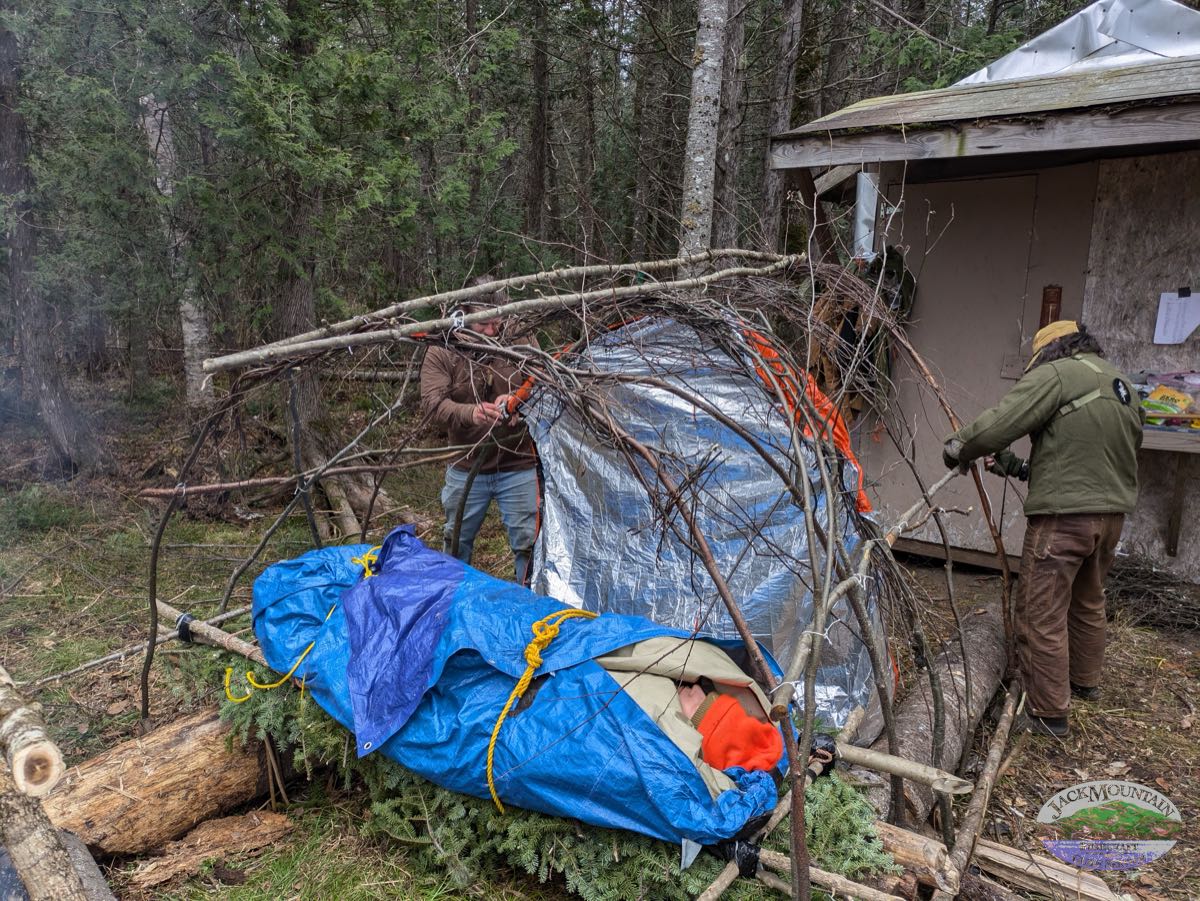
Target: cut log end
<point>34,761</point>
<point>37,768</point>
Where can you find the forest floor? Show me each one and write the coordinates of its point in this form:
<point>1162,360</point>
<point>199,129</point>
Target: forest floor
<point>73,569</point>
<point>1144,729</point>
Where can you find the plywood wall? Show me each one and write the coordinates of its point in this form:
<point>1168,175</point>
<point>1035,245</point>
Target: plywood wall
<point>981,249</point>
<point>1146,240</point>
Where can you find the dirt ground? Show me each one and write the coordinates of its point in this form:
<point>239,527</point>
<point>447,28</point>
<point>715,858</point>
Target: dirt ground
<point>1144,729</point>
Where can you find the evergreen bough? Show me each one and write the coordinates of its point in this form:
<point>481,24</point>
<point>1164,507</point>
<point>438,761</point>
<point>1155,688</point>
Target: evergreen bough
<point>443,832</point>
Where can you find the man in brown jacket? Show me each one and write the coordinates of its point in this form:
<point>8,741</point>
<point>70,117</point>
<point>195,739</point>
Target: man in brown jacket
<point>467,393</point>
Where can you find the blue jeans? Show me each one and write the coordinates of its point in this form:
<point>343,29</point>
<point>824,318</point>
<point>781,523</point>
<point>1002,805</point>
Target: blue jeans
<point>515,493</point>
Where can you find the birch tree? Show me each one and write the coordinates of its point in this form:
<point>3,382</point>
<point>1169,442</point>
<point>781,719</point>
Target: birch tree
<point>193,319</point>
<point>725,194</point>
<point>700,149</point>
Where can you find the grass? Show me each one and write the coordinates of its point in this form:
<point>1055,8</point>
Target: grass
<point>73,577</point>
<point>33,510</point>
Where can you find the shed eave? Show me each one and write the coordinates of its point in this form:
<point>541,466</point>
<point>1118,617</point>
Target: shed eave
<point>1161,122</point>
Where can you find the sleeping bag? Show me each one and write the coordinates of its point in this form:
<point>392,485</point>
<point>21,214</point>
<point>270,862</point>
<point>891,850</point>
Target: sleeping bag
<point>420,657</point>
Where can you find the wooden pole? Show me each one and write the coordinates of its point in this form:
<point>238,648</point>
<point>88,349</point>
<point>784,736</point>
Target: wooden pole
<point>218,638</point>
<point>277,352</point>
<point>117,656</point>
<point>33,759</point>
<point>35,848</point>
<point>267,481</point>
<point>938,779</point>
<point>964,841</point>
<point>831,881</point>
<point>547,277</point>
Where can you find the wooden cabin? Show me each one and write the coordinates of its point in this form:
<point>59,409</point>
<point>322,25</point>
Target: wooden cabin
<point>1073,163</point>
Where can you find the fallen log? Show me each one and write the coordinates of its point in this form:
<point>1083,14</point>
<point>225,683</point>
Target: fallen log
<point>1040,874</point>
<point>33,759</point>
<point>35,847</point>
<point>245,834</point>
<point>983,639</point>
<point>968,834</point>
<point>142,793</point>
<point>925,858</point>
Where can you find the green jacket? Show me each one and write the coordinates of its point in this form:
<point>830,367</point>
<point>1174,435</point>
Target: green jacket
<point>1085,422</point>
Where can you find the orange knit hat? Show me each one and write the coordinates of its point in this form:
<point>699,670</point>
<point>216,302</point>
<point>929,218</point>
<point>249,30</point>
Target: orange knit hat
<point>734,738</point>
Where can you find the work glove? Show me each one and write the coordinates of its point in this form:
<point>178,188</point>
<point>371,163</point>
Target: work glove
<point>951,451</point>
<point>1006,463</point>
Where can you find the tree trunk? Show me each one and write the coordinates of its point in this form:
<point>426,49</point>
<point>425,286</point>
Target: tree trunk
<point>699,155</point>
<point>539,137</point>
<point>585,164</point>
<point>779,120</point>
<point>835,88</point>
<point>137,342</point>
<point>647,69</point>
<point>193,319</point>
<point>33,759</point>
<point>95,338</point>
<point>142,793</point>
<point>983,638</point>
<point>70,434</point>
<point>725,195</point>
<point>306,416</point>
<point>475,176</point>
<point>35,848</point>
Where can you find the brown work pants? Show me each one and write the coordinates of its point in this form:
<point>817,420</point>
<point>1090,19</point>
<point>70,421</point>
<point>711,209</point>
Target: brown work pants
<point>1060,620</point>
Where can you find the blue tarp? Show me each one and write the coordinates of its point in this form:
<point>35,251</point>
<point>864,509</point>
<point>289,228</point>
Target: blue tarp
<point>419,660</point>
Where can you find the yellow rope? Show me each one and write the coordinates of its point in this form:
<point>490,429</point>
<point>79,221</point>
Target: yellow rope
<point>366,561</point>
<point>229,692</point>
<point>254,683</point>
<point>544,631</point>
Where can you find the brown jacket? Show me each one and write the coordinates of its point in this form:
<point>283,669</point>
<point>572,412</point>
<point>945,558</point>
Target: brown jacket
<point>453,382</point>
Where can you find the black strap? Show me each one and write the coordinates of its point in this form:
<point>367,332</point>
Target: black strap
<point>181,625</point>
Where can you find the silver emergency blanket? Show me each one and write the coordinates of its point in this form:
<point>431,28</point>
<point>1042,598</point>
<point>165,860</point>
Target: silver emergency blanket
<point>1106,34</point>
<point>604,546</point>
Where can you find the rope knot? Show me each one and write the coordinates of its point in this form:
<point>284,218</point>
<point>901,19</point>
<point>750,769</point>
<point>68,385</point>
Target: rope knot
<point>533,655</point>
<point>368,560</point>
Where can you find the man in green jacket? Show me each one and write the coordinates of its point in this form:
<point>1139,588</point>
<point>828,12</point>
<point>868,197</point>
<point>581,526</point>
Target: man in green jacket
<point>1085,422</point>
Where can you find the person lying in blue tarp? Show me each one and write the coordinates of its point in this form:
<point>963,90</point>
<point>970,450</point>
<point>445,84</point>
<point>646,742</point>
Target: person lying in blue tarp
<point>421,658</point>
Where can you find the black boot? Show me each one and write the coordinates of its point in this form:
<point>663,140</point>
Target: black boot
<point>1085,694</point>
<point>1053,726</point>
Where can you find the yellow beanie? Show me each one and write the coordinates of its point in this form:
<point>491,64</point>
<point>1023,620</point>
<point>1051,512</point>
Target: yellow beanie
<point>1051,332</point>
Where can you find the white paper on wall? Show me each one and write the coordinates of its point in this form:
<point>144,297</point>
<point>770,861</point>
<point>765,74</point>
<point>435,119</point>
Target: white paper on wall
<point>1178,317</point>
